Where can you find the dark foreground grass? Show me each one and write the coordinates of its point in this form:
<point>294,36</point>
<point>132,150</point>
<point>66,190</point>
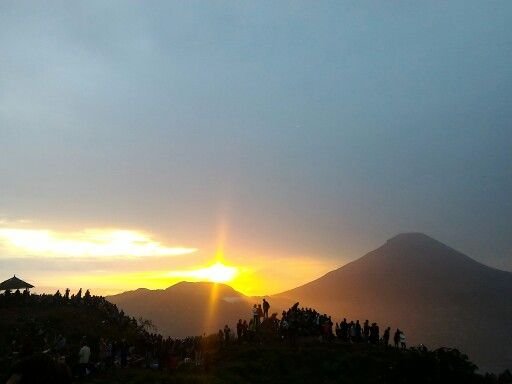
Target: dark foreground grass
<point>312,362</point>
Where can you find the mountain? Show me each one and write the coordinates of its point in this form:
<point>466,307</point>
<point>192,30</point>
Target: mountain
<point>186,309</point>
<point>437,295</point>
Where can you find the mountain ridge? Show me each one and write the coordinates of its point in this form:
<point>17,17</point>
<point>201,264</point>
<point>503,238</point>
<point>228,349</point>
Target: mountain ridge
<point>438,295</point>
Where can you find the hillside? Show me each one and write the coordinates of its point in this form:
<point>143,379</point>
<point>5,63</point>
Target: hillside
<point>53,326</point>
<point>438,295</point>
<point>187,308</point>
<point>34,323</point>
<point>314,362</point>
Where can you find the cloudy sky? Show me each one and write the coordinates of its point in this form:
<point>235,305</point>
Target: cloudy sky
<point>142,142</point>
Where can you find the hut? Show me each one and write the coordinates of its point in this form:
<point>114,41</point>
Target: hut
<point>13,284</point>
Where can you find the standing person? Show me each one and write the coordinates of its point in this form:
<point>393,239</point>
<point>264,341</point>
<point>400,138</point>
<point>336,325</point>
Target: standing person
<point>227,333</point>
<point>402,340</point>
<point>385,337</point>
<point>344,330</point>
<point>260,313</point>
<point>366,330</point>
<point>358,331</point>
<point>60,345</point>
<point>255,316</point>
<point>396,337</point>
<point>352,332</point>
<point>266,307</point>
<point>239,330</point>
<point>245,329</point>
<point>83,358</point>
<point>374,333</point>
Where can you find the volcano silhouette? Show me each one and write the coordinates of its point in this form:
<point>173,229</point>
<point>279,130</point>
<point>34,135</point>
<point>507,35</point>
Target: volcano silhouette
<point>437,295</point>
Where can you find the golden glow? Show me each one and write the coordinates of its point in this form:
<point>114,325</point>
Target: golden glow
<point>258,276</point>
<point>216,273</point>
<point>91,257</point>
<point>87,243</point>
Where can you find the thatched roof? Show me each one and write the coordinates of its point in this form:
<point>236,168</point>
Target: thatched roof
<point>14,283</point>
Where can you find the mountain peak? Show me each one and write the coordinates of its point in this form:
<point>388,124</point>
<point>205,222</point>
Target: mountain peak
<point>417,242</point>
<point>203,287</point>
<point>411,237</point>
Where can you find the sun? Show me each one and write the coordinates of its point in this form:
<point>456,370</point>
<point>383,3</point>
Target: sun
<point>216,273</point>
<point>220,273</point>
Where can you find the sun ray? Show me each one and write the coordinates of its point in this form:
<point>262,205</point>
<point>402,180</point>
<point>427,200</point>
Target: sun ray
<point>219,258</point>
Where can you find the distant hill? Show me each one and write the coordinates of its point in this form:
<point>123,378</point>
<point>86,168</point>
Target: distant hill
<point>438,295</point>
<point>187,308</point>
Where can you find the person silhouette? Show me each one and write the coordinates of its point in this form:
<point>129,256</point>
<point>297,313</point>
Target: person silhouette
<point>266,307</point>
<point>255,316</point>
<point>239,330</point>
<point>84,355</point>
<point>227,334</point>
<point>396,337</point>
<point>385,336</point>
<point>402,340</point>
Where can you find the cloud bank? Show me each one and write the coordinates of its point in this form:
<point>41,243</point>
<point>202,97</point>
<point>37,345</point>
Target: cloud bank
<point>88,243</point>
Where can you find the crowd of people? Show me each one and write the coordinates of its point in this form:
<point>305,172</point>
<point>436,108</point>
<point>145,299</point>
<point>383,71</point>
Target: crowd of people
<point>369,333</point>
<point>118,341</point>
<point>307,322</point>
<point>134,344</point>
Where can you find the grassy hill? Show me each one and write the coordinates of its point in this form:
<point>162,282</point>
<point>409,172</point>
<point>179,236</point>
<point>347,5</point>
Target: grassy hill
<point>313,362</point>
<point>30,325</point>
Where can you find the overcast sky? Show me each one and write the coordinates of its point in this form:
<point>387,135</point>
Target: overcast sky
<point>300,130</point>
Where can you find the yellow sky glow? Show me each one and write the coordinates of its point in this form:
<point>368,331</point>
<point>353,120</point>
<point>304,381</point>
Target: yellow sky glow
<point>110,261</point>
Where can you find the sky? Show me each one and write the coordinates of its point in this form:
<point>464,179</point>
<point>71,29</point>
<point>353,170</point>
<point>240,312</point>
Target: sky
<point>260,143</point>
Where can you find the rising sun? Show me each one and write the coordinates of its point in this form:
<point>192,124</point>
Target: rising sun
<point>216,273</point>
<point>219,273</point>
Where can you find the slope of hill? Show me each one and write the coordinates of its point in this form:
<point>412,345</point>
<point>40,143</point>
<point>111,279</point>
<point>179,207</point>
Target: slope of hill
<point>439,296</point>
<point>37,320</point>
<point>32,324</point>
<point>313,362</point>
<point>187,308</point>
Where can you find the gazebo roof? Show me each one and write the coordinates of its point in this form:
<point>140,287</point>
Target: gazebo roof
<point>14,283</point>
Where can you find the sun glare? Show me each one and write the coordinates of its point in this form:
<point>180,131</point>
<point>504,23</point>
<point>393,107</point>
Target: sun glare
<point>216,273</point>
<point>219,273</point>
